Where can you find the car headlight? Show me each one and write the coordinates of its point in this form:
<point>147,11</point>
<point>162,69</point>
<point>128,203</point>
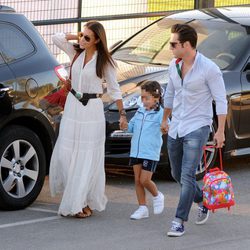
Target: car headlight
<point>131,101</point>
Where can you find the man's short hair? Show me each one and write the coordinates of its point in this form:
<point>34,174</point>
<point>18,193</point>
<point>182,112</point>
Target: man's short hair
<point>186,33</point>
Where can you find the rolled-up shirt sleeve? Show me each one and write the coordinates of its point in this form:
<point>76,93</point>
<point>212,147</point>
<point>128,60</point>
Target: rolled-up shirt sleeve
<point>217,88</point>
<point>61,42</point>
<point>113,88</point>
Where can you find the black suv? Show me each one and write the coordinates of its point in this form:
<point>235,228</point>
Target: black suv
<point>28,72</point>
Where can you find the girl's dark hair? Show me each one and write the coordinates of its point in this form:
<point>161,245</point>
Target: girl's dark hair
<point>154,88</point>
<point>104,56</point>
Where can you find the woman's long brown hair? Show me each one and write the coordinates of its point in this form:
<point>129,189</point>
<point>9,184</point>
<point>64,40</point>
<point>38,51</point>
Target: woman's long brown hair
<point>104,58</point>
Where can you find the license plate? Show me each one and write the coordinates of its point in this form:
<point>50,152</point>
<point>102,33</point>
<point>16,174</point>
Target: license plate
<point>120,133</point>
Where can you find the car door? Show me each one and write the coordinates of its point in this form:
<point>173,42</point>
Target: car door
<point>6,82</point>
<point>244,128</point>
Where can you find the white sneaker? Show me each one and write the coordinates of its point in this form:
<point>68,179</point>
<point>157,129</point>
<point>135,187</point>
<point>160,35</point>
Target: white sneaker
<point>140,213</point>
<point>158,203</point>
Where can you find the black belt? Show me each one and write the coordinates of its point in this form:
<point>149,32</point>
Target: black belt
<point>84,97</point>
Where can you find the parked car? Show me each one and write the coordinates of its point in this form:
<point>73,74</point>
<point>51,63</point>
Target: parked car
<point>224,37</point>
<point>28,71</point>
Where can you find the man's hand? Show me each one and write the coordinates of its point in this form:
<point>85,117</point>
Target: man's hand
<point>164,127</point>
<point>219,139</point>
<point>219,136</point>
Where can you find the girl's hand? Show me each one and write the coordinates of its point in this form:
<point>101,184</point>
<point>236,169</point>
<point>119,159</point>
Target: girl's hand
<point>123,122</point>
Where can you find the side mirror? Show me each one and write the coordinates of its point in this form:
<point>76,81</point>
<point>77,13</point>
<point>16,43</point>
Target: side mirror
<point>115,44</point>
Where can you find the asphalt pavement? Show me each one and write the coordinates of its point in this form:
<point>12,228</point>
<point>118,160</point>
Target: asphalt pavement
<point>39,227</point>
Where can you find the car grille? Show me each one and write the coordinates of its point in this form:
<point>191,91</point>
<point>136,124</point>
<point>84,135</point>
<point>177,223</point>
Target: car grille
<point>117,145</point>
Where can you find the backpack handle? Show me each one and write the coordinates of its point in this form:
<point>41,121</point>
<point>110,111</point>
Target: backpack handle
<point>204,154</point>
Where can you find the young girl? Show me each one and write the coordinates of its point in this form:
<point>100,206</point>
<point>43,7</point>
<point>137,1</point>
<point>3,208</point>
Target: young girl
<point>145,148</point>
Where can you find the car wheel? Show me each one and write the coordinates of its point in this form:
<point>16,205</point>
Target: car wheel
<point>211,154</point>
<point>22,167</point>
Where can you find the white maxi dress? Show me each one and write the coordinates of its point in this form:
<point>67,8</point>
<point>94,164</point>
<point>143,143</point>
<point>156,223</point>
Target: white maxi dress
<point>77,163</point>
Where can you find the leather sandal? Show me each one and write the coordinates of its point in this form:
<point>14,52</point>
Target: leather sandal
<point>87,211</point>
<point>81,215</point>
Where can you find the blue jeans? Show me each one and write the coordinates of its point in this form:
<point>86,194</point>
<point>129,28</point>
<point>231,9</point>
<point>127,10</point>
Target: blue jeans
<point>185,154</point>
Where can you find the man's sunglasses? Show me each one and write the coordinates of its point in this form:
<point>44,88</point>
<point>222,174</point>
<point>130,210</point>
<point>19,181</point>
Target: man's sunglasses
<point>86,38</point>
<point>173,44</point>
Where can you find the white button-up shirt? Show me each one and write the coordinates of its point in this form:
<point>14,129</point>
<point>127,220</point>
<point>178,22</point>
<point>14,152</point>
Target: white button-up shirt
<point>191,98</point>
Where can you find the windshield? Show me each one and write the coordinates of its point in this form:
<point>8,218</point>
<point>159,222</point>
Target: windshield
<point>222,42</point>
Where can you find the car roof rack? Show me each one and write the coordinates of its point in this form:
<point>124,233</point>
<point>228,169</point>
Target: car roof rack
<point>4,8</point>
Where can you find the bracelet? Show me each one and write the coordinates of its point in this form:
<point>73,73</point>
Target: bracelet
<point>123,112</point>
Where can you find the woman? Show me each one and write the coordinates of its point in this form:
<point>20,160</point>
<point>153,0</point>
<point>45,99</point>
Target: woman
<point>77,163</point>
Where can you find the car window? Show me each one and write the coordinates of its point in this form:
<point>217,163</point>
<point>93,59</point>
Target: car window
<point>222,42</point>
<point>13,43</point>
<point>149,46</point>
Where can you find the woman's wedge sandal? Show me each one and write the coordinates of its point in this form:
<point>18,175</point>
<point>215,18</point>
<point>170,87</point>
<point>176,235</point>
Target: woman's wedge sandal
<point>86,212</point>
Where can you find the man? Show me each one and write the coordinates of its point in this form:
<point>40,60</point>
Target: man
<point>194,82</point>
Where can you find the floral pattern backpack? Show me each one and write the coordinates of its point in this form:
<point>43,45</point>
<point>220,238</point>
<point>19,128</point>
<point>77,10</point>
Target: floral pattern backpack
<point>218,189</point>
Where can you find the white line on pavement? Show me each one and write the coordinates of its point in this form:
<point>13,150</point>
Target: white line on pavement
<point>41,210</point>
<point>44,203</point>
<point>20,223</point>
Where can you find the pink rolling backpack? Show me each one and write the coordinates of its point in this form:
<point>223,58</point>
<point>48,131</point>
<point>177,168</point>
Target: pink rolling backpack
<point>218,189</point>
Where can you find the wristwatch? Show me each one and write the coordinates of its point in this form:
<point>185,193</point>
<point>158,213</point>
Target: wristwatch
<point>123,112</point>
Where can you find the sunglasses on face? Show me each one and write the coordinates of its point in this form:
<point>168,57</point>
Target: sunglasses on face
<point>173,44</point>
<point>86,38</point>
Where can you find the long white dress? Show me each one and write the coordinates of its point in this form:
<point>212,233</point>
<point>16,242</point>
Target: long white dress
<point>77,163</point>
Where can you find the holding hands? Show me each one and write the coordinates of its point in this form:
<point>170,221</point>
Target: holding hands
<point>164,127</point>
<point>123,122</point>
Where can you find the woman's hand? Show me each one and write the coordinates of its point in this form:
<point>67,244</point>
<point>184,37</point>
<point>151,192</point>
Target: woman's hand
<point>70,36</point>
<point>123,122</point>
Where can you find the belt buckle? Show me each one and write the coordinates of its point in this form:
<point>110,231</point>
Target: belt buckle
<point>78,95</point>
<point>85,96</point>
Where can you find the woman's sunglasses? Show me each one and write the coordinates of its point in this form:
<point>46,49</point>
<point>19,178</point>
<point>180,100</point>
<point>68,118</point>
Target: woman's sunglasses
<point>86,38</point>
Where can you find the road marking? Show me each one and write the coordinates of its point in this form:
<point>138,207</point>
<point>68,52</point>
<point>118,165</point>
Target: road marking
<point>42,210</point>
<point>44,203</point>
<point>20,223</point>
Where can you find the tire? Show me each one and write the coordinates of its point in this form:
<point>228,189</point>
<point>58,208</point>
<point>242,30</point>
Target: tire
<point>22,167</point>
